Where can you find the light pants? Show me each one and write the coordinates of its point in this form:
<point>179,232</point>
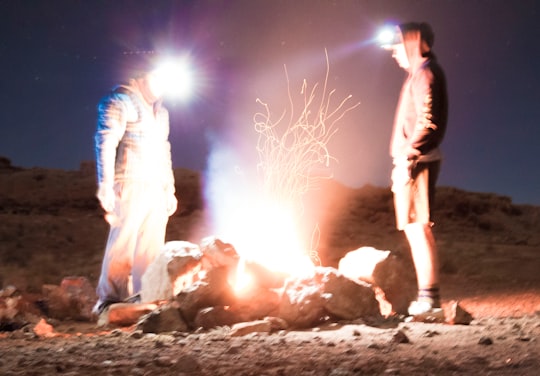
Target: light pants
<point>137,234</point>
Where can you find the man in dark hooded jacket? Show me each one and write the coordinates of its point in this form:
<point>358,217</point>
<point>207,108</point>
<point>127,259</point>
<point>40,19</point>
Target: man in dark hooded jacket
<point>419,127</point>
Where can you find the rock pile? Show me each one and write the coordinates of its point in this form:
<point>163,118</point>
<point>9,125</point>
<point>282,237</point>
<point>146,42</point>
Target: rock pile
<point>190,287</point>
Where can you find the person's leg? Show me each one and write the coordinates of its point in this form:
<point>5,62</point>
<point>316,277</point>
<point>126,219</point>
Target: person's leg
<point>151,235</point>
<point>421,240</point>
<point>426,261</point>
<point>113,285</point>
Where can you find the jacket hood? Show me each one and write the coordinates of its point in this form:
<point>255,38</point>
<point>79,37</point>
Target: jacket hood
<point>418,39</point>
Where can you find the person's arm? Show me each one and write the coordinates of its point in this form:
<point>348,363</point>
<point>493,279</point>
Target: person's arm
<point>430,107</point>
<point>111,125</point>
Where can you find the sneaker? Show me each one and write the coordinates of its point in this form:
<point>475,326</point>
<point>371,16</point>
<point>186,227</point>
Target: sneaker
<point>101,306</point>
<point>421,307</point>
<point>426,312</point>
<point>136,298</point>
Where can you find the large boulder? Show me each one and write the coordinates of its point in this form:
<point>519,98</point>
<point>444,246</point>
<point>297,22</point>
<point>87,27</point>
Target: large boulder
<point>179,264</point>
<point>166,318</point>
<point>305,302</point>
<point>212,290</point>
<point>175,268</point>
<point>212,317</point>
<point>256,303</point>
<point>347,299</point>
<point>391,274</point>
<point>396,278</point>
<point>302,304</point>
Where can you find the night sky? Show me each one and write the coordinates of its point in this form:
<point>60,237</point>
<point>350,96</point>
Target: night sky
<point>58,58</point>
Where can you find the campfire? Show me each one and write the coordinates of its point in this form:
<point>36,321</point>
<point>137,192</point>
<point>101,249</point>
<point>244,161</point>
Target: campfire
<point>201,284</point>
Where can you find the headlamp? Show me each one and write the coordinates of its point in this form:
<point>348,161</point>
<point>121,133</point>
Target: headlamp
<point>172,77</point>
<point>388,37</point>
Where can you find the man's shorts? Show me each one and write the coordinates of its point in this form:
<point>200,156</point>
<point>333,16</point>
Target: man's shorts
<point>413,199</point>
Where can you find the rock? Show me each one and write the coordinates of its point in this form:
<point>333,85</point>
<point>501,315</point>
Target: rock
<point>435,315</point>
<point>9,292</point>
<point>277,323</point>
<point>212,317</point>
<point>347,299</point>
<point>302,304</point>
<point>174,269</point>
<point>179,263</point>
<point>360,263</point>
<point>211,291</point>
<point>10,317</point>
<point>163,361</point>
<point>244,328</point>
<point>44,329</point>
<point>125,314</point>
<point>166,318</point>
<point>16,311</point>
<point>486,341</point>
<point>305,302</point>
<point>400,337</point>
<point>218,254</point>
<point>396,278</point>
<point>73,299</point>
<point>256,303</point>
<point>455,315</point>
<point>384,270</point>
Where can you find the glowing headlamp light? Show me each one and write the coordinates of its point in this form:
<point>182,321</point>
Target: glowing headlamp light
<point>388,37</point>
<point>172,77</point>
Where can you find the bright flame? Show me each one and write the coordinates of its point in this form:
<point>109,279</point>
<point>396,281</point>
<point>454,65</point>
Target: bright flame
<point>243,279</point>
<point>267,234</point>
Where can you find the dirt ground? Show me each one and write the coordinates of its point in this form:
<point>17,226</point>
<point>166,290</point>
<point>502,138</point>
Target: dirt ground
<point>51,227</point>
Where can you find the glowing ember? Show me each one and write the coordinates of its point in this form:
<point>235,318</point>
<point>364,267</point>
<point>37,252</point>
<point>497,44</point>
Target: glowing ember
<point>243,279</point>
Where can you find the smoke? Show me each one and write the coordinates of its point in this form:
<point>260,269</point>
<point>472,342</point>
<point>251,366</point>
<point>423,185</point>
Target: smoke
<point>259,199</point>
<point>228,187</point>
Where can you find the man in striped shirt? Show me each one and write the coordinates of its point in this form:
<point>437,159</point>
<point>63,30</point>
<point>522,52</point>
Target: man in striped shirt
<point>135,182</point>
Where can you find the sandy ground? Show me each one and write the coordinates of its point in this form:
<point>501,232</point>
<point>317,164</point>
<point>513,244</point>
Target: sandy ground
<point>494,346</point>
<point>489,263</point>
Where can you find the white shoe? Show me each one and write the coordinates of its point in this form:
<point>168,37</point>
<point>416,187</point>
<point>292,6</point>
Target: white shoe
<point>419,307</point>
<point>424,308</point>
<point>426,311</point>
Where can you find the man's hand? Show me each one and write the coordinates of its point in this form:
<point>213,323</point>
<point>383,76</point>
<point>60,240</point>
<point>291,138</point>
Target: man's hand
<point>411,165</point>
<point>172,203</point>
<point>106,197</point>
<point>402,173</point>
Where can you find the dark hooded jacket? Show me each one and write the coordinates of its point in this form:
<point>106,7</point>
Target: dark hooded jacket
<point>422,110</point>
